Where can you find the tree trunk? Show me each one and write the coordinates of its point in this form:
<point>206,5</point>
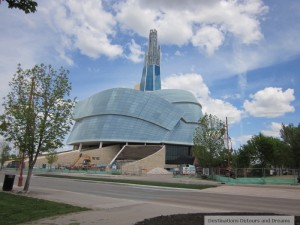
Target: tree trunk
<point>27,183</point>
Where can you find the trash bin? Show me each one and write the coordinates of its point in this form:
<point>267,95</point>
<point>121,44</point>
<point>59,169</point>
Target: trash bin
<point>9,180</point>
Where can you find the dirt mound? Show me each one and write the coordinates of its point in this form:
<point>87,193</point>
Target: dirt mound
<point>197,218</point>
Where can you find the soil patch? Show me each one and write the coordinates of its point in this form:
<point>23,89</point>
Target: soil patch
<point>197,218</point>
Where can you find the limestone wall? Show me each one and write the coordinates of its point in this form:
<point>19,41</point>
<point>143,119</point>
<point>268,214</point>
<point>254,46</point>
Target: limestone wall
<point>156,160</point>
<point>98,156</point>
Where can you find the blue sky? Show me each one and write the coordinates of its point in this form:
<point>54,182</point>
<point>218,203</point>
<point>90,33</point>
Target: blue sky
<point>241,59</point>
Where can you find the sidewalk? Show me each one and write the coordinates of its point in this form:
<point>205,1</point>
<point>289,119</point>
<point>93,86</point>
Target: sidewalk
<point>105,210</point>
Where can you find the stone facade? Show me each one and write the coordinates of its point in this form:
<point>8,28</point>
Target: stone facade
<point>65,159</point>
<point>139,167</point>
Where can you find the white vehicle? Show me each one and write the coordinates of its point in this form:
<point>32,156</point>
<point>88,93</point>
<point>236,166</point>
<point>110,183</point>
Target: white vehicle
<point>187,169</point>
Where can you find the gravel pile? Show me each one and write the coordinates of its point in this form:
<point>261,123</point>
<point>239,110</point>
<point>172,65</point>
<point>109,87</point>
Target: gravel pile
<point>158,171</point>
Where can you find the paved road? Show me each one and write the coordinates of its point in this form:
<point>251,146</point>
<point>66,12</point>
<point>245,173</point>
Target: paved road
<point>115,204</point>
<point>209,199</point>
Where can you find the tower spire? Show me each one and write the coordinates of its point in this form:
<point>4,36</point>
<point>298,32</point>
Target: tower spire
<point>151,70</point>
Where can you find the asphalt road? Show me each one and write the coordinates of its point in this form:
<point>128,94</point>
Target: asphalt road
<point>175,197</point>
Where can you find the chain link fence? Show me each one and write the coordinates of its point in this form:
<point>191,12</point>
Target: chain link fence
<point>253,175</point>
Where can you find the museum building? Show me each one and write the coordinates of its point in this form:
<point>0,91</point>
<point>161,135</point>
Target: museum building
<point>139,119</point>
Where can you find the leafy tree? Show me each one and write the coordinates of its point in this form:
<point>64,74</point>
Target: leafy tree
<point>4,149</point>
<point>246,156</point>
<point>37,112</point>
<point>262,146</point>
<point>28,6</point>
<point>291,136</point>
<point>282,154</point>
<point>209,141</point>
<point>14,157</point>
<point>51,157</point>
<point>264,151</point>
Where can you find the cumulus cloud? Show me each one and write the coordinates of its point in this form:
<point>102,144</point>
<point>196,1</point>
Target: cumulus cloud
<point>202,23</point>
<point>191,82</point>
<point>270,102</point>
<point>86,24</point>
<point>273,131</point>
<point>208,38</point>
<point>136,54</point>
<point>53,34</point>
<point>222,109</point>
<point>240,140</point>
<point>194,83</point>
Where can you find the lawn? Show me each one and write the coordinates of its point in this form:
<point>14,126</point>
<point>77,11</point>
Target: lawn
<point>18,209</point>
<point>139,182</point>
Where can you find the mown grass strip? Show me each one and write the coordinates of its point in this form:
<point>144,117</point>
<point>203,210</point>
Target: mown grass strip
<point>19,209</point>
<point>139,182</point>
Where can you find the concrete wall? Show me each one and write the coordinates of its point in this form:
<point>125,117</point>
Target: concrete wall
<point>156,160</point>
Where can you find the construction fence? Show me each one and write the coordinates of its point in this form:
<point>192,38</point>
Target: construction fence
<point>64,171</point>
<point>253,175</point>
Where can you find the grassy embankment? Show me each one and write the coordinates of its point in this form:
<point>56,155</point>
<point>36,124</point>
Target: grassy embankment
<point>139,182</point>
<point>19,209</point>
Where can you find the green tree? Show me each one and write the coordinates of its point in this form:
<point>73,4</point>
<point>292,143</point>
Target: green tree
<point>291,136</point>
<point>263,148</point>
<point>209,141</point>
<point>246,156</point>
<point>5,150</point>
<point>51,158</point>
<point>37,111</point>
<point>28,6</point>
<point>264,151</point>
<point>282,154</point>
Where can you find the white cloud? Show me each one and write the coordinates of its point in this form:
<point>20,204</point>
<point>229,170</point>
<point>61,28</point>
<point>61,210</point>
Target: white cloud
<point>136,53</point>
<point>87,25</point>
<point>178,53</point>
<point>222,109</point>
<point>178,22</point>
<point>19,43</point>
<point>233,96</point>
<point>270,102</point>
<point>241,140</point>
<point>58,29</point>
<point>274,130</point>
<point>208,38</point>
<point>194,83</point>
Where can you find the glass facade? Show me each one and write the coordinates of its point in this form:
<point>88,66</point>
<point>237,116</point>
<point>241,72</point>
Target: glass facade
<point>127,115</point>
<point>177,154</point>
<point>151,71</point>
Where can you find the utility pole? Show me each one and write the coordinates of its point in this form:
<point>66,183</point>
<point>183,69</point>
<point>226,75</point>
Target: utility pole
<point>227,147</point>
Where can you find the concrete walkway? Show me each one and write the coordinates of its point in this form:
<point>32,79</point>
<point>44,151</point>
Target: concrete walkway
<point>113,211</point>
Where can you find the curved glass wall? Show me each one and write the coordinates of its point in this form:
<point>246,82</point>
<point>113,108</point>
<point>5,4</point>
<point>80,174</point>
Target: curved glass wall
<point>127,115</point>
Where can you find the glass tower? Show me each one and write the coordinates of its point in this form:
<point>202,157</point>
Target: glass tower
<point>151,70</point>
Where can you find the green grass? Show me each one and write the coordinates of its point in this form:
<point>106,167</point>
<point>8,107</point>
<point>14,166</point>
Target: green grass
<point>139,182</point>
<point>18,209</point>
